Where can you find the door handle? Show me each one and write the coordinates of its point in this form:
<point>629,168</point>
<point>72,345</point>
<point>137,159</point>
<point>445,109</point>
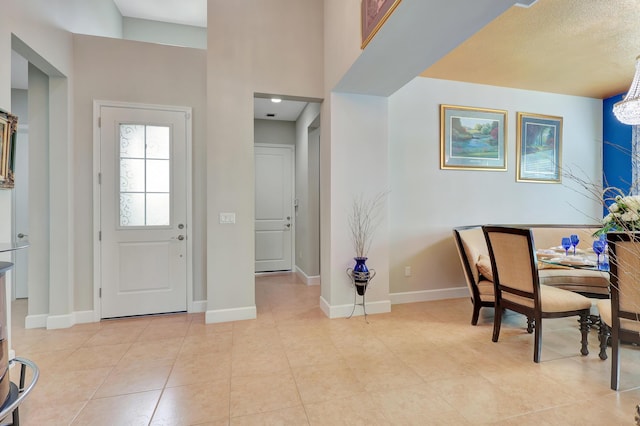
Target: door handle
<point>180,237</point>
<point>288,225</point>
<point>21,235</point>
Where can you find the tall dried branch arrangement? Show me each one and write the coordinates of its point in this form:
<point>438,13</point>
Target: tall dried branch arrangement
<point>364,218</point>
<point>623,217</point>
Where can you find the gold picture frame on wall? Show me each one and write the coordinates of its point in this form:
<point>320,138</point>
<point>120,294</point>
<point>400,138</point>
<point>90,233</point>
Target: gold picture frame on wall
<point>473,138</point>
<point>8,132</point>
<point>374,14</point>
<point>539,148</point>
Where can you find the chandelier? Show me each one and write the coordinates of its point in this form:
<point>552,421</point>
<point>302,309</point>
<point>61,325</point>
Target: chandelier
<point>627,111</point>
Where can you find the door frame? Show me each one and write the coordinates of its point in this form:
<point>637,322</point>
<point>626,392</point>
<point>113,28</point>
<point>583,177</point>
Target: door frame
<point>292,148</point>
<point>97,254</point>
<point>23,129</point>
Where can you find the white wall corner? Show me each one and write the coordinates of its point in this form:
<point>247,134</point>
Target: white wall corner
<point>429,295</point>
<point>308,280</point>
<point>35,321</point>
<point>60,321</point>
<point>198,306</point>
<point>227,315</point>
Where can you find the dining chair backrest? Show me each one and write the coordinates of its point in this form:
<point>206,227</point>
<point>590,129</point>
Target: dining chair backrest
<point>471,246</point>
<point>624,253</point>
<point>515,273</point>
<point>469,241</point>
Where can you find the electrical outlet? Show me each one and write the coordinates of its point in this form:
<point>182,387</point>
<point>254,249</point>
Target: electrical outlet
<point>407,271</point>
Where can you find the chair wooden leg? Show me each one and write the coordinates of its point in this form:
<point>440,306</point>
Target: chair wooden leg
<point>537,345</point>
<point>615,359</point>
<point>584,330</point>
<point>530,325</point>
<point>497,322</point>
<point>604,333</point>
<point>476,313</point>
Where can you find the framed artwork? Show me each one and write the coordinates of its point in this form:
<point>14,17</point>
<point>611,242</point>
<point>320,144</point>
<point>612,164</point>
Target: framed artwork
<point>8,131</point>
<point>473,138</point>
<point>539,148</point>
<point>374,13</point>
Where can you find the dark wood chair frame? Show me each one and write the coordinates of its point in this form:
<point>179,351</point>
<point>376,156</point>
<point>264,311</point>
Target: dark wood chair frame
<point>476,301</point>
<point>534,315</point>
<point>612,334</point>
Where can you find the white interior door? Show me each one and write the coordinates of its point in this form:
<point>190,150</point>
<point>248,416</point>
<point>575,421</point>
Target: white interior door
<point>143,211</point>
<point>274,208</point>
<point>21,214</point>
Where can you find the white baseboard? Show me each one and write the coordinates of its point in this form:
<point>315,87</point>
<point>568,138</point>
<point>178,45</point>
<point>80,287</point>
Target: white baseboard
<point>428,295</point>
<point>308,280</point>
<point>84,317</point>
<point>198,306</point>
<point>35,321</point>
<point>59,321</point>
<point>343,311</point>
<point>234,314</point>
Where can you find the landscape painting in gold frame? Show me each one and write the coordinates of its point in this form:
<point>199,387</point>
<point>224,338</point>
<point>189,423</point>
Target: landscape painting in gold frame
<point>374,13</point>
<point>539,148</point>
<point>473,138</point>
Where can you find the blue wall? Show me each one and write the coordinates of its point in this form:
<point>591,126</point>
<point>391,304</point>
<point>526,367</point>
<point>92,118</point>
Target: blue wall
<point>616,151</point>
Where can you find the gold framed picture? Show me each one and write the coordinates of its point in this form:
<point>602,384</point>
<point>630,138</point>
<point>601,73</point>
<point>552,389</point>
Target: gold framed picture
<point>8,131</point>
<point>539,148</point>
<point>473,138</point>
<point>374,13</point>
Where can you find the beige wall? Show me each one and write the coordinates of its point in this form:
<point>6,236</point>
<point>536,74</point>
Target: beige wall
<point>274,131</point>
<point>427,202</point>
<point>137,72</point>
<point>307,210</point>
<point>40,31</point>
<point>270,47</point>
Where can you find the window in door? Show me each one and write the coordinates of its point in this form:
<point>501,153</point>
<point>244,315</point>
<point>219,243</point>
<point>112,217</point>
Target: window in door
<point>145,181</point>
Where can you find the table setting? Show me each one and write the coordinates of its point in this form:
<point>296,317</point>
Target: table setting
<point>567,254</point>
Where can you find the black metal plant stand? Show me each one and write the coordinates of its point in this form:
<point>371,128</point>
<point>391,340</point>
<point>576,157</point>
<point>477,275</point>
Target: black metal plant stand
<point>360,283</point>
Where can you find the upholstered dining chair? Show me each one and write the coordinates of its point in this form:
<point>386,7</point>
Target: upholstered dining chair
<point>620,315</point>
<point>468,240</point>
<point>517,286</point>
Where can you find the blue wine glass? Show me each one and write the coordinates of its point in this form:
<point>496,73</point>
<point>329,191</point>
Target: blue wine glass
<point>598,249</point>
<point>574,242</point>
<point>566,245</point>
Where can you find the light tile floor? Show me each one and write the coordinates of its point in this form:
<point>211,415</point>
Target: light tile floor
<point>421,364</point>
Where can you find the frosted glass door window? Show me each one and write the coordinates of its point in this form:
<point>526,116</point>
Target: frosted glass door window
<point>145,175</point>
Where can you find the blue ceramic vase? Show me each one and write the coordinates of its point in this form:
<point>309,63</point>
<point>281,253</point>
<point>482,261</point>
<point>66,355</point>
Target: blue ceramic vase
<point>361,275</point>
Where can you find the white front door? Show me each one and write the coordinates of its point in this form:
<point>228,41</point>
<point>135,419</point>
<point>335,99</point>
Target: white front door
<point>143,210</point>
<point>274,208</point>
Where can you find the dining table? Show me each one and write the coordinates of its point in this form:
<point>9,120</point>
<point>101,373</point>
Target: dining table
<point>580,259</point>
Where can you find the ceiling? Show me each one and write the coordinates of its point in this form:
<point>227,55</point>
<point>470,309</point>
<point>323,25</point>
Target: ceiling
<point>286,110</point>
<point>185,12</point>
<point>575,47</point>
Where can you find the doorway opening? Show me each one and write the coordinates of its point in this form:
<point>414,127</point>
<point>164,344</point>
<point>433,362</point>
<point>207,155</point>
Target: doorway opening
<point>290,125</point>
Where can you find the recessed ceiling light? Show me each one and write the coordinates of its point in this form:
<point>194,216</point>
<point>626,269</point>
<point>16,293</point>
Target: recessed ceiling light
<point>276,100</point>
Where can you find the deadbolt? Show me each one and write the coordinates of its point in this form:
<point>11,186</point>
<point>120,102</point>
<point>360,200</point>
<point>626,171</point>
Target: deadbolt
<point>180,226</point>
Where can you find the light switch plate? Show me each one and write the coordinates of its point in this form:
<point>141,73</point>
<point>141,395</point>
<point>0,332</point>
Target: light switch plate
<point>227,218</point>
